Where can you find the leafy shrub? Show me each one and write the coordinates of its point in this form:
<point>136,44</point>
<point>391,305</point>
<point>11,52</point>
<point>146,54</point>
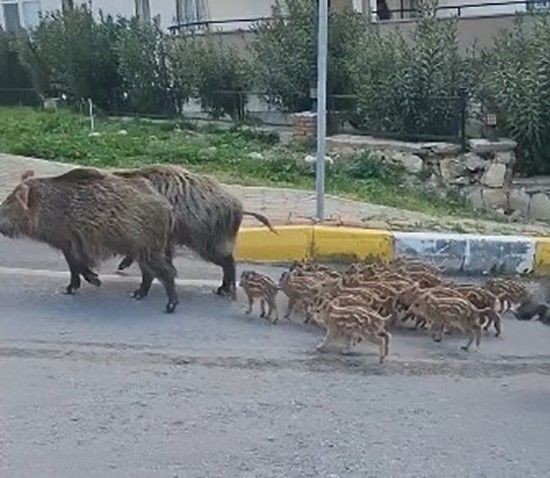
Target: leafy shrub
<point>368,166</point>
<point>71,52</point>
<point>215,74</point>
<point>516,83</point>
<point>285,52</point>
<point>13,75</point>
<point>142,58</point>
<point>409,87</point>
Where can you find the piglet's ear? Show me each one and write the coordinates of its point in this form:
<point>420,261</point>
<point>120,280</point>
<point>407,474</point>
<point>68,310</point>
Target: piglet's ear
<point>27,174</point>
<point>22,196</point>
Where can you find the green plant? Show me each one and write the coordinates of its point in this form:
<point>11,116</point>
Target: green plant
<point>217,75</point>
<point>143,67</point>
<point>71,52</point>
<point>13,75</point>
<point>285,52</point>
<point>409,87</point>
<point>516,83</point>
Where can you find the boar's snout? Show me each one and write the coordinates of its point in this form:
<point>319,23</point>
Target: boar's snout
<point>7,224</point>
<point>14,212</point>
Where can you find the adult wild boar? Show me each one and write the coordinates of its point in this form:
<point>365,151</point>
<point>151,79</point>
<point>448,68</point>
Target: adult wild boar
<point>91,215</point>
<point>207,217</point>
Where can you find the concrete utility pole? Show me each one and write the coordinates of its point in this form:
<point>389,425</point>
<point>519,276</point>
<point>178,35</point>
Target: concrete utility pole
<point>322,53</point>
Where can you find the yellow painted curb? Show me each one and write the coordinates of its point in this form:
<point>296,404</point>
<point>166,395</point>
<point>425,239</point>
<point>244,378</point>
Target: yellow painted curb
<point>259,244</point>
<point>351,243</point>
<point>541,265</point>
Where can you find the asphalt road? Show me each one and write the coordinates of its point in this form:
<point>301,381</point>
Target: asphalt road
<point>98,385</point>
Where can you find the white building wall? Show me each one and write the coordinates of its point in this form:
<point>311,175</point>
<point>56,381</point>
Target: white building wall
<point>166,9</point>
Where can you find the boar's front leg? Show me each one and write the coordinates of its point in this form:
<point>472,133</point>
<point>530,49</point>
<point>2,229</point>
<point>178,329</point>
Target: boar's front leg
<point>74,268</point>
<point>77,269</point>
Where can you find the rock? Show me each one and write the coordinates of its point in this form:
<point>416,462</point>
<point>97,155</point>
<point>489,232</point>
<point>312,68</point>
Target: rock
<point>495,198</point>
<point>310,159</point>
<point>442,149</point>
<point>411,162</point>
<point>518,200</point>
<point>472,162</point>
<point>50,104</point>
<point>506,157</point>
<point>450,168</point>
<point>348,144</point>
<point>255,156</point>
<point>461,181</point>
<point>494,175</point>
<point>482,145</point>
<point>475,198</point>
<point>540,207</point>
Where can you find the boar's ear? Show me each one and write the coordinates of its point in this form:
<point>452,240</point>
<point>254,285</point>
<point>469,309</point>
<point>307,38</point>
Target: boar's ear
<point>22,196</point>
<point>27,174</point>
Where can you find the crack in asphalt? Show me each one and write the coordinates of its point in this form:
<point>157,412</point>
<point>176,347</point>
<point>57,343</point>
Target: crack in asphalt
<point>317,363</point>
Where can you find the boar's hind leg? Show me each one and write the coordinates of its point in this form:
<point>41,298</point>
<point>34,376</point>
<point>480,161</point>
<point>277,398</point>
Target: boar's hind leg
<point>125,263</point>
<point>146,281</point>
<point>228,287</point>
<point>158,266</point>
<point>77,269</point>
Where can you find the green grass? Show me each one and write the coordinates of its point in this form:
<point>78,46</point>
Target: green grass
<point>65,137</point>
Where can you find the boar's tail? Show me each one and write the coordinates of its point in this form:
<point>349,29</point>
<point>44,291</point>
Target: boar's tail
<point>262,219</point>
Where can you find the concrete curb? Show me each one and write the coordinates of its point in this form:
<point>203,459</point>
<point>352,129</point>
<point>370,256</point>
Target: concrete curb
<point>462,253</point>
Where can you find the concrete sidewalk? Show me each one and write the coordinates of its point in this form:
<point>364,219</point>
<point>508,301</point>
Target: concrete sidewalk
<point>290,207</point>
<point>521,250</point>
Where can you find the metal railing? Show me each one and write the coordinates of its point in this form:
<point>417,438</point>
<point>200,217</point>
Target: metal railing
<point>435,118</point>
<point>395,13</point>
<point>19,97</point>
<point>460,8</point>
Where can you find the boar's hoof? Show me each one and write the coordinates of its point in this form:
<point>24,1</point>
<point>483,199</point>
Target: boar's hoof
<point>171,307</point>
<point>94,280</point>
<point>226,291</point>
<point>71,290</point>
<point>139,294</point>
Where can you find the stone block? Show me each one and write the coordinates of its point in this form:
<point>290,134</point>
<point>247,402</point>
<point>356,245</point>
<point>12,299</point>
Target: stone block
<point>495,198</point>
<point>494,176</point>
<point>482,145</point>
<point>506,157</point>
<point>411,162</point>
<point>473,162</point>
<point>474,197</point>
<point>540,207</point>
<point>450,168</point>
<point>519,200</point>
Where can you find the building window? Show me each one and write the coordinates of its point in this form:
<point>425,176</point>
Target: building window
<point>12,21</point>
<point>190,11</point>
<point>31,13</point>
<point>143,10</point>
<point>20,14</point>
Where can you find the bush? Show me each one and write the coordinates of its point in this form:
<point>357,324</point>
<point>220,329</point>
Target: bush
<point>516,83</point>
<point>409,87</point>
<point>285,52</point>
<point>214,74</point>
<point>13,75</point>
<point>142,58</point>
<point>72,53</point>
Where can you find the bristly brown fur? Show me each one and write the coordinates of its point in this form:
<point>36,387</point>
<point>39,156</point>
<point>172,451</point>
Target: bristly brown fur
<point>207,217</point>
<point>259,286</point>
<point>91,215</point>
